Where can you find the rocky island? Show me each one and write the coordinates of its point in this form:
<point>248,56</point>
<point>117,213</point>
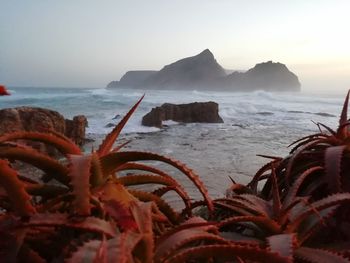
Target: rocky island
<point>203,72</point>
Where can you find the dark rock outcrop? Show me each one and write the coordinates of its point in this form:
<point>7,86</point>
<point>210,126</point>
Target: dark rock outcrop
<point>202,72</point>
<point>267,76</point>
<point>132,79</point>
<point>42,120</point>
<point>192,72</point>
<point>113,84</point>
<point>75,129</point>
<point>205,112</point>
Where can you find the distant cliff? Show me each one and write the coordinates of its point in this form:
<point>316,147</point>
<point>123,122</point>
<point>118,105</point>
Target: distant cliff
<point>268,76</point>
<point>132,78</point>
<point>202,72</point>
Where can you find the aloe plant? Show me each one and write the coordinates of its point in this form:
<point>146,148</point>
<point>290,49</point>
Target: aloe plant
<point>84,208</point>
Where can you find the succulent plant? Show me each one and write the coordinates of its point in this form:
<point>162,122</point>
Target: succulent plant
<point>84,207</point>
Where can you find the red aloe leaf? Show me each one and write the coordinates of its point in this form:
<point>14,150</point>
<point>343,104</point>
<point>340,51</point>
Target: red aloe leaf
<point>261,221</point>
<point>64,145</point>
<point>87,253</point>
<point>333,157</point>
<point>45,190</point>
<point>282,244</point>
<point>79,173</point>
<point>121,214</point>
<point>250,203</point>
<point>143,167</point>
<point>112,190</point>
<point>344,114</point>
<point>236,209</point>
<point>29,255</point>
<point>91,224</point>
<point>254,182</point>
<point>101,253</point>
<point>111,161</point>
<point>306,138</point>
<point>15,190</point>
<point>296,155</point>
<point>123,248</point>
<point>188,232</point>
<point>163,206</point>
<point>228,253</point>
<point>108,142</point>
<point>181,239</point>
<point>276,200</point>
<point>143,216</point>
<point>118,249</point>
<point>300,212</point>
<point>116,149</point>
<point>96,177</point>
<point>137,179</point>
<point>330,130</point>
<point>11,243</point>
<point>305,142</point>
<point>319,255</point>
<point>195,222</point>
<point>171,184</point>
<point>39,160</point>
<point>313,223</point>
<point>3,91</point>
<point>275,158</point>
<point>291,195</point>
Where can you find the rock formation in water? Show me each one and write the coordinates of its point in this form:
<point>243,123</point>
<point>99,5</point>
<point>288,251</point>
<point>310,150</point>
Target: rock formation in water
<point>42,120</point>
<point>132,79</point>
<point>267,76</point>
<point>204,112</point>
<point>202,72</point>
<point>194,72</point>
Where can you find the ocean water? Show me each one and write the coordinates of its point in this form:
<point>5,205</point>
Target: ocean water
<point>254,123</point>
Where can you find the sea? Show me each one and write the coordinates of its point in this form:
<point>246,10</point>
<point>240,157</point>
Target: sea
<point>255,123</point>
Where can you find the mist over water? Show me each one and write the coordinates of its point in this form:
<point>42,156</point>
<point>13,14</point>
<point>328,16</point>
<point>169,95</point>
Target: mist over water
<point>254,123</point>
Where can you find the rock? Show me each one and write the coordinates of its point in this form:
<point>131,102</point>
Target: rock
<point>42,120</point>
<point>116,117</point>
<point>194,72</point>
<point>205,112</point>
<point>135,78</point>
<point>109,125</point>
<point>132,79</point>
<point>267,76</point>
<point>202,72</point>
<point>75,129</point>
<point>324,114</point>
<point>112,84</point>
<point>265,113</point>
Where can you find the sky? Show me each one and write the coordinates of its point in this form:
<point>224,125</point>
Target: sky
<point>88,43</point>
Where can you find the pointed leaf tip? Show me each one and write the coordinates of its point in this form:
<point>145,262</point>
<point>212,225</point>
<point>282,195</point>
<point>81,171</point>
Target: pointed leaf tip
<point>344,113</point>
<point>108,142</point>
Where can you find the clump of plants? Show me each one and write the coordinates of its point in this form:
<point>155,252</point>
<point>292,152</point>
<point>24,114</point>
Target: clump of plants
<point>85,208</point>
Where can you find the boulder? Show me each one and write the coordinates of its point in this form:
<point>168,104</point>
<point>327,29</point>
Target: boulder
<point>42,120</point>
<point>75,129</point>
<point>204,112</point>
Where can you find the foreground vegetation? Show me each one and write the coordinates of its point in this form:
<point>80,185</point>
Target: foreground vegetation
<point>84,207</point>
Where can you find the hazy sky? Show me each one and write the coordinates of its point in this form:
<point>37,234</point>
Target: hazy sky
<point>87,43</point>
